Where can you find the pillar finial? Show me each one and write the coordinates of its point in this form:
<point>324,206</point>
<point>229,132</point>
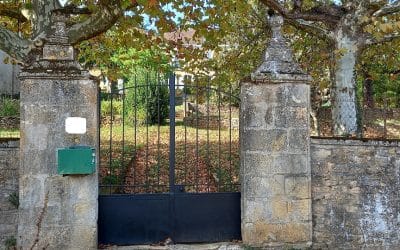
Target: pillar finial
<point>278,63</point>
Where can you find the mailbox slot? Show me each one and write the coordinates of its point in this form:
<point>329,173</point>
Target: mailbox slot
<point>77,160</point>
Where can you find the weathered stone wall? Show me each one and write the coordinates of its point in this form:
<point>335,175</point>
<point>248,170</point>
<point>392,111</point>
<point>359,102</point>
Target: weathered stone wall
<point>355,191</point>
<point>56,212</point>
<point>276,175</point>
<point>9,163</point>
<point>275,150</point>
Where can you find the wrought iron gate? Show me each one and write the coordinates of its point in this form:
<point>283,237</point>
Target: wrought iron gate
<point>169,167</point>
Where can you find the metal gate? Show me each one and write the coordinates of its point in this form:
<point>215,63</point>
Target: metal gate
<point>169,162</point>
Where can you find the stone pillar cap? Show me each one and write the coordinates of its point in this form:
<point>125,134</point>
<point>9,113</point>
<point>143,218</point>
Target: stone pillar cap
<point>278,64</point>
<point>57,55</point>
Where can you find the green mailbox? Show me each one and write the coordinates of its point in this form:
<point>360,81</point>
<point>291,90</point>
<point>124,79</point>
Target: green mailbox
<point>76,160</point>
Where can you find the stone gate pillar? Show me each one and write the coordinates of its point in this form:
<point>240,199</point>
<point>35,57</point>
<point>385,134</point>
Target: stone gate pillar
<point>275,150</point>
<point>56,212</point>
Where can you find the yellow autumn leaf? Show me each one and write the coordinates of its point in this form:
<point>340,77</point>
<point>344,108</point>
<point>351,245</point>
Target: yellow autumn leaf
<point>365,19</point>
<point>386,27</point>
<point>152,3</point>
<point>369,29</point>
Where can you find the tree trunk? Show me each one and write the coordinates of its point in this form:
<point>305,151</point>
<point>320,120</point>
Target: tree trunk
<point>106,15</point>
<point>42,18</point>
<point>15,46</point>
<point>344,110</point>
<point>368,91</point>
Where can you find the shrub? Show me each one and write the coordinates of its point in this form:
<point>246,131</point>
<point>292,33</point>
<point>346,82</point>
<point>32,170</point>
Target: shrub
<point>157,104</point>
<point>106,108</point>
<point>151,103</point>
<point>9,107</point>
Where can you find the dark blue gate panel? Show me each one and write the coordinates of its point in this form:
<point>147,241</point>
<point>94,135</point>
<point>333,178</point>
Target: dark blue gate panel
<point>150,218</point>
<point>207,217</point>
<point>134,219</point>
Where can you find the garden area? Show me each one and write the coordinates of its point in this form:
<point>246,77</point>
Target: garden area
<point>135,143</point>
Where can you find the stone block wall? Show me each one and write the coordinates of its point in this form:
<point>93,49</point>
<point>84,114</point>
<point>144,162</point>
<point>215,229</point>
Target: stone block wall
<point>355,192</point>
<point>276,175</point>
<point>9,163</point>
<point>56,211</point>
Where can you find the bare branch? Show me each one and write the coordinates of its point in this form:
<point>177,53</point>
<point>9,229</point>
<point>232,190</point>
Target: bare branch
<point>75,10</point>
<point>12,12</point>
<point>103,19</point>
<point>373,41</point>
<point>99,22</point>
<point>387,9</point>
<point>329,15</point>
<point>15,46</point>
<point>312,28</point>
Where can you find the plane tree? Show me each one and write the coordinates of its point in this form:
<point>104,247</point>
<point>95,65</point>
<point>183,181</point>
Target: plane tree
<point>349,27</point>
<point>26,24</point>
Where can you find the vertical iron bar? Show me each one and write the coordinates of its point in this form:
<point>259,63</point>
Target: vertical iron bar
<point>99,128</point>
<point>230,137</point>
<point>172,152</point>
<point>158,128</point>
<point>219,136</point>
<point>147,172</point>
<point>208,135</point>
<point>172,133</point>
<point>135,130</point>
<point>186,88</point>
<point>111,131</point>
<point>123,138</point>
<point>196,172</point>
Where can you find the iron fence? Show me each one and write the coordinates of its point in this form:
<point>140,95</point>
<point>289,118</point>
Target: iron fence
<point>378,117</point>
<point>157,134</point>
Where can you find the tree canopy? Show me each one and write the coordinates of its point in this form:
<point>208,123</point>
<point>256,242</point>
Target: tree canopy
<point>348,27</point>
<point>332,39</point>
<point>27,23</point>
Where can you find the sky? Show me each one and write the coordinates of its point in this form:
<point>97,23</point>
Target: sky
<point>149,24</point>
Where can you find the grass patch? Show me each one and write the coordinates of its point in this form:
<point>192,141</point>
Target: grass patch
<point>9,107</point>
<point>205,160</point>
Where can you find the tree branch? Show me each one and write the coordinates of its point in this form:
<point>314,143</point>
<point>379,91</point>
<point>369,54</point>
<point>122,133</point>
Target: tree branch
<point>99,22</point>
<point>297,5</point>
<point>329,15</point>
<point>75,10</point>
<point>311,28</point>
<point>12,12</point>
<point>42,18</point>
<point>388,38</point>
<point>104,18</point>
<point>387,9</point>
<point>16,47</point>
